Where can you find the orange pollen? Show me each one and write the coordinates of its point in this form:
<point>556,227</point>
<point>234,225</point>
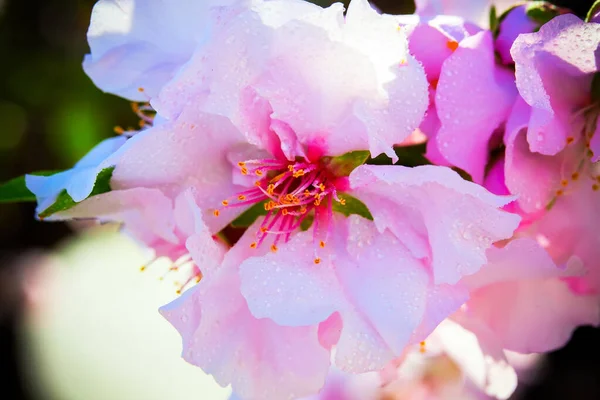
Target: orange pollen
<point>284,212</point>
<point>244,171</point>
<point>216,213</point>
<point>422,347</point>
<point>274,249</point>
<point>263,229</point>
<point>271,189</point>
<point>241,164</point>
<point>595,187</point>
<point>322,187</point>
<point>342,201</point>
<point>575,176</point>
<point>299,173</point>
<point>258,172</point>
<point>317,260</point>
<point>225,203</point>
<point>598,179</point>
<point>559,192</point>
<point>452,44</point>
<point>140,89</point>
<point>570,139</point>
<point>241,197</point>
<point>322,244</point>
<point>564,182</point>
<point>257,183</point>
<point>118,130</point>
<point>253,245</point>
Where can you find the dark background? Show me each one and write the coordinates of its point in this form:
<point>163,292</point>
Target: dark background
<point>51,114</point>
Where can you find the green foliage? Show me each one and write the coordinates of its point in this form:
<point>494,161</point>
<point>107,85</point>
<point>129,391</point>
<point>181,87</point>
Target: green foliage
<point>248,217</point>
<point>346,163</point>
<point>594,9</point>
<point>64,201</point>
<point>352,206</point>
<point>15,190</point>
<point>408,156</point>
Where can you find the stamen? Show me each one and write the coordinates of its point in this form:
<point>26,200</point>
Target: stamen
<point>452,44</point>
<point>216,213</point>
<point>225,203</point>
<point>317,261</point>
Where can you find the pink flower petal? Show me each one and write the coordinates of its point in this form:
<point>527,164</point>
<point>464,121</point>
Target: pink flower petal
<point>134,45</point>
<point>474,96</point>
<point>260,359</point>
<point>553,72</point>
<point>519,297</point>
<point>457,218</point>
<point>189,153</point>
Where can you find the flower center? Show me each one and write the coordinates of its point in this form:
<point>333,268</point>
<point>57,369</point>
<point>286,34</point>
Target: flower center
<point>294,195</point>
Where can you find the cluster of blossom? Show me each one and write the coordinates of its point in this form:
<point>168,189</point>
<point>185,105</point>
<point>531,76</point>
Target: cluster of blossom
<point>368,206</point>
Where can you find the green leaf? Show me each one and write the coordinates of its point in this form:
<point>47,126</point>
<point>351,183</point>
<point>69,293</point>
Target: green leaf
<point>64,201</point>
<point>307,222</point>
<point>346,163</point>
<point>541,11</point>
<point>408,156</point>
<point>463,174</point>
<point>494,22</point>
<point>248,217</point>
<point>15,190</point>
<point>594,9</point>
<point>352,206</point>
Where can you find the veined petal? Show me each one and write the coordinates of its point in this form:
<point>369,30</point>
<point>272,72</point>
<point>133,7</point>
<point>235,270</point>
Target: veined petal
<point>188,153</point>
<point>468,120</point>
<point>141,44</point>
<point>458,219</point>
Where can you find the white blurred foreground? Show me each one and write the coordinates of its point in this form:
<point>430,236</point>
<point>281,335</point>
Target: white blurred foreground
<point>93,332</point>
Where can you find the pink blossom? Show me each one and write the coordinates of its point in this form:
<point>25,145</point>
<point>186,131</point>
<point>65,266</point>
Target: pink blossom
<point>141,44</point>
<point>471,96</point>
<point>523,301</point>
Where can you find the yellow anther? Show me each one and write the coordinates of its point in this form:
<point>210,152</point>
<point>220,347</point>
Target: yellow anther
<point>299,173</point>
<point>216,213</point>
<point>422,347</point>
<point>303,210</point>
<point>263,229</point>
<point>274,249</point>
<point>258,172</point>
<point>244,171</point>
<point>322,187</point>
<point>322,244</point>
<point>317,260</point>
<point>143,268</point>
<point>241,164</point>
<point>178,291</point>
<point>241,197</point>
<point>253,245</point>
<point>140,89</point>
<point>271,189</point>
<point>452,44</point>
<point>118,130</point>
<point>342,201</point>
<point>225,203</point>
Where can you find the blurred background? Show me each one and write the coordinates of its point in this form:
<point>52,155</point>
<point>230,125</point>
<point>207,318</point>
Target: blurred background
<point>50,115</point>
